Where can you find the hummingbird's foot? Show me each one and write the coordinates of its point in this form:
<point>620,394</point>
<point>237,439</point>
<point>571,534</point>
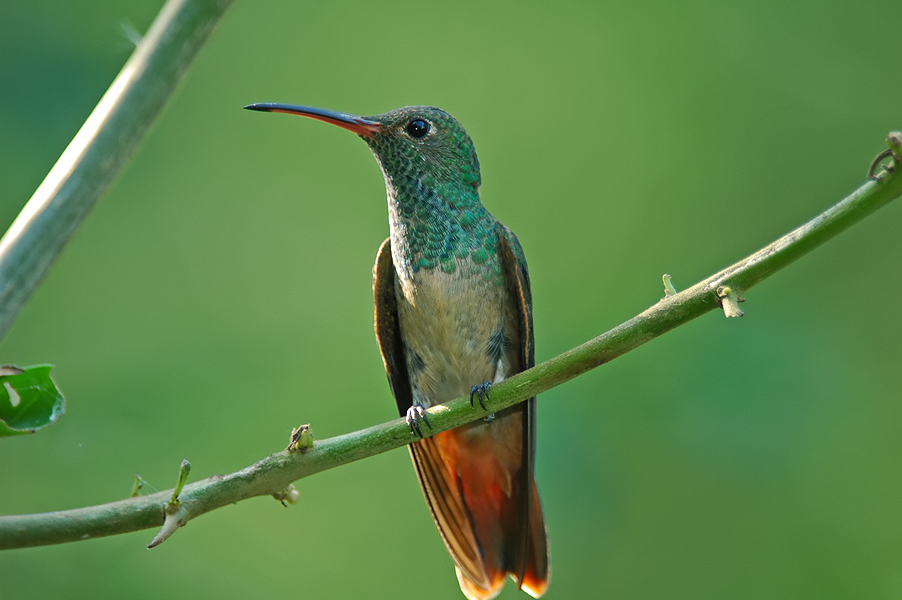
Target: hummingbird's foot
<point>415,414</point>
<point>480,391</point>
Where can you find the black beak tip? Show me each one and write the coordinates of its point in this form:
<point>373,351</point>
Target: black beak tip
<point>261,106</point>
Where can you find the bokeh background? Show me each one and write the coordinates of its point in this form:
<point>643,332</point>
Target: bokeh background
<point>220,293</point>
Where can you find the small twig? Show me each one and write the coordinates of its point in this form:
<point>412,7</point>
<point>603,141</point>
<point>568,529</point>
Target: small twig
<point>184,471</point>
<point>894,141</point>
<point>137,486</point>
<point>669,290</point>
<point>301,439</point>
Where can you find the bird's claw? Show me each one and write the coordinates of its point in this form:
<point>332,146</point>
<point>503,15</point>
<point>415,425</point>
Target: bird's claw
<point>481,392</point>
<point>415,414</point>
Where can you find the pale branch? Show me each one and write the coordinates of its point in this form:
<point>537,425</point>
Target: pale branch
<point>100,148</point>
<point>274,474</point>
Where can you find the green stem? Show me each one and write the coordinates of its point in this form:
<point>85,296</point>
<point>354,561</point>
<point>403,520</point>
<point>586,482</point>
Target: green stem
<point>103,144</point>
<point>273,474</point>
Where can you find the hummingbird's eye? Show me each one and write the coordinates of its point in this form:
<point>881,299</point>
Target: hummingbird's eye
<point>417,128</point>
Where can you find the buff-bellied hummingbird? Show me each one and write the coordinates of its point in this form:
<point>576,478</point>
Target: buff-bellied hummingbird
<point>454,316</point>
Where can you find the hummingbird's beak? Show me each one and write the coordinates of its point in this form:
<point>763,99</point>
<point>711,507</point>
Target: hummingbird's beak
<point>353,123</point>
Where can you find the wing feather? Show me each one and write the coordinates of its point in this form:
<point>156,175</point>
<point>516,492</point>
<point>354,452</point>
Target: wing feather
<point>388,331</point>
<point>529,556</point>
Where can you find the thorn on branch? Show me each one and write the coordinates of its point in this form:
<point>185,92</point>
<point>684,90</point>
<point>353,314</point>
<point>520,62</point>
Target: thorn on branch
<point>729,301</point>
<point>669,290</point>
<point>301,439</point>
<point>894,141</point>
<point>175,514</point>
<point>171,523</point>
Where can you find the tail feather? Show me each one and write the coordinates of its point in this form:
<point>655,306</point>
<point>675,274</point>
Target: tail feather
<point>491,523</point>
<point>536,576</point>
<point>474,592</point>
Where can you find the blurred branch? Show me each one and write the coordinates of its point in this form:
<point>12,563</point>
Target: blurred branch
<point>100,148</point>
<point>272,475</point>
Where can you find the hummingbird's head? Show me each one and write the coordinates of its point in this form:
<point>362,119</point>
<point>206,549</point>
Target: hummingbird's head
<point>424,142</point>
<point>414,143</point>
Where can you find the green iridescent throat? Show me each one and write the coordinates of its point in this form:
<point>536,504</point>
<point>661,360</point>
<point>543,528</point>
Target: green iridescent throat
<point>433,227</point>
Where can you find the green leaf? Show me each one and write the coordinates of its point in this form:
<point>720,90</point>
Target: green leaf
<point>29,400</point>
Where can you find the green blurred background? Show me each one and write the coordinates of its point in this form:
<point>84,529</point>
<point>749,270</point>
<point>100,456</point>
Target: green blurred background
<point>220,293</point>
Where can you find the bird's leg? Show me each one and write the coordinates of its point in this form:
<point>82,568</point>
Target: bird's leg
<point>415,414</point>
<point>480,391</point>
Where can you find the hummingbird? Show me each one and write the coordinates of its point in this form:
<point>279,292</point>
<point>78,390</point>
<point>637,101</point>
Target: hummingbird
<point>453,317</point>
